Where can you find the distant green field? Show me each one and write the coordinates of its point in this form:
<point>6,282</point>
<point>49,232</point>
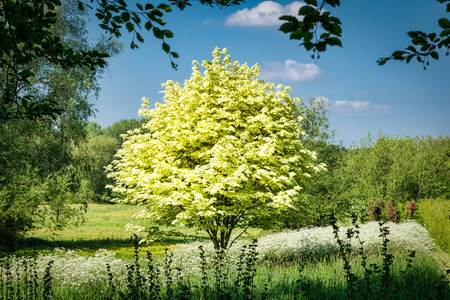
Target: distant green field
<point>105,228</point>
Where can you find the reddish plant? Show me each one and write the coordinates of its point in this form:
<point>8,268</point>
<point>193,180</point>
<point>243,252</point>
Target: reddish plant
<point>392,213</point>
<point>411,208</point>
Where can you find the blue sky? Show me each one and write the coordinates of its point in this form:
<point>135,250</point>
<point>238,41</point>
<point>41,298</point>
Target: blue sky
<point>394,99</point>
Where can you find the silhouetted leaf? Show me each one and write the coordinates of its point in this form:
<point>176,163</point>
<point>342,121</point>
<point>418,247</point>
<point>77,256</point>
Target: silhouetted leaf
<point>444,23</point>
<point>166,47</point>
<point>434,55</point>
<point>304,10</point>
<point>288,27</point>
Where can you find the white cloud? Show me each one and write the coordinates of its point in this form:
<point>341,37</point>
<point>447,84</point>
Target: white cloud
<point>290,70</point>
<point>359,107</point>
<point>267,13</point>
<point>353,108</point>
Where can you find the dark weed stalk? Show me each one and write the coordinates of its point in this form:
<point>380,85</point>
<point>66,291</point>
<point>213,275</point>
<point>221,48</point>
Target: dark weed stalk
<point>184,289</point>
<point>367,271</point>
<point>139,280</point>
<point>388,259</point>
<point>111,283</point>
<point>9,288</point>
<point>28,282</point>
<point>204,286</point>
<point>48,281</point>
<point>218,274</point>
<point>130,283</point>
<point>168,273</point>
<point>345,250</point>
<point>250,270</point>
<point>35,278</point>
<point>1,280</point>
<point>301,287</point>
<point>153,275</point>
<point>240,271</point>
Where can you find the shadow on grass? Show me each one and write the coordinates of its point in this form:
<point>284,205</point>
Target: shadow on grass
<point>30,245</point>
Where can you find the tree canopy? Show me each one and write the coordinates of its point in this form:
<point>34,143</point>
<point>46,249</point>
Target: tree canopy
<point>223,151</point>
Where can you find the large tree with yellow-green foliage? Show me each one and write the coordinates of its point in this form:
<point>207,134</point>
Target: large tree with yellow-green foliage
<point>223,151</point>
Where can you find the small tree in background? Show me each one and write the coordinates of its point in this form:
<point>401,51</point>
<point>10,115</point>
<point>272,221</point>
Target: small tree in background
<point>224,151</point>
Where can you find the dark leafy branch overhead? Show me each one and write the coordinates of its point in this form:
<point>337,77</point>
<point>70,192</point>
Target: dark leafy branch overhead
<point>424,45</point>
<point>316,28</point>
<point>26,36</point>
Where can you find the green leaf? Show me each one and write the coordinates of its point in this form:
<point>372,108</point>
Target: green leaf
<point>334,41</point>
<point>444,23</point>
<point>336,30</point>
<point>166,47</point>
<point>288,27</point>
<point>158,33</point>
<point>444,32</point>
<point>125,16</point>
<point>412,49</point>
<point>139,37</point>
<point>304,10</point>
<point>408,59</point>
<point>311,18</point>
<point>129,26</point>
<point>174,54</point>
<point>425,47</point>
<point>289,18</point>
<point>324,35</point>
<point>165,7</point>
<point>149,6</point>
<point>333,3</point>
<point>335,20</point>
<point>140,7</point>
<point>434,55</point>
<point>321,46</point>
<point>148,26</point>
<point>157,12</point>
<point>81,6</point>
<point>308,46</point>
<point>168,33</point>
<point>296,35</point>
<point>99,16</point>
<point>308,37</point>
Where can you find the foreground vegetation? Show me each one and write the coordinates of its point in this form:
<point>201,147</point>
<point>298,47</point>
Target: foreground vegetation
<point>304,264</point>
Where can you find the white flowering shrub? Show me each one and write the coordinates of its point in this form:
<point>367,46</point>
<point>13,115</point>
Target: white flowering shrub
<point>70,268</point>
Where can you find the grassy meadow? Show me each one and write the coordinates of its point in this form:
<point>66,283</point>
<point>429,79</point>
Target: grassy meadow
<point>104,228</point>
<point>99,260</point>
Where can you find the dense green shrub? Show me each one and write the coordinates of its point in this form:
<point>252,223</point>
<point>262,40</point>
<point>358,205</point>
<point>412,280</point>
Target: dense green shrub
<point>434,214</point>
<point>393,169</point>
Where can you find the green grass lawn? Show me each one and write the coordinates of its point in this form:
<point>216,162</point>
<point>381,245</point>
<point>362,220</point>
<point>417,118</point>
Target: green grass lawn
<point>105,228</point>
